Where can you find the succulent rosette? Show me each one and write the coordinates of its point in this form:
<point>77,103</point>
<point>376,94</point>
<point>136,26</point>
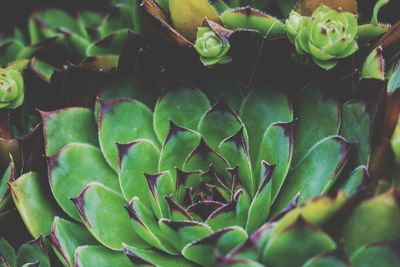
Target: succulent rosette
<point>328,35</point>
<point>167,185</point>
<point>11,88</point>
<point>142,169</point>
<point>211,47</point>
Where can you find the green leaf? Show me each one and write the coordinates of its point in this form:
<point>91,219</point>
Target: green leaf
<point>330,258</point>
<point>131,170</point>
<point>95,204</point>
<point>7,254</point>
<point>68,125</point>
<point>316,211</point>
<point>202,157</point>
<point>296,244</point>
<point>379,216</point>
<point>109,45</point>
<point>160,186</point>
<point>368,32</point>
<point>88,256</point>
<point>184,232</point>
<point>4,189</point>
<point>233,213</point>
<point>234,149</point>
<point>9,51</point>
<point>394,81</point>
<point>276,149</point>
<point>32,252</point>
<point>66,236</point>
<point>146,226</point>
<point>120,17</point>
<point>316,172</point>
<point>134,122</point>
<point>356,128</point>
<point>219,123</point>
<point>259,109</point>
<point>72,168</point>
<point>355,180</point>
<point>184,106</point>
<point>155,258</point>
<point>374,66</point>
<point>33,204</point>
<point>179,143</point>
<point>205,251</point>
<point>249,18</point>
<point>384,254</point>
<point>313,126</point>
<point>262,201</point>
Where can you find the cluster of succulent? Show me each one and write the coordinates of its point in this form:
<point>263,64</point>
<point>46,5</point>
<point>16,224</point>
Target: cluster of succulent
<point>120,146</point>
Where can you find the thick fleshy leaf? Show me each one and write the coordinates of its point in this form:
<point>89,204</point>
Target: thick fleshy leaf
<point>355,180</point>
<point>233,213</point>
<point>296,244</point>
<point>131,170</point>
<point>356,128</point>
<point>316,211</point>
<point>316,172</point>
<point>394,82</point>
<point>259,109</point>
<point>205,251</point>
<point>72,168</point>
<point>249,18</point>
<point>187,15</point>
<point>9,51</point>
<point>7,254</point>
<point>146,226</point>
<point>184,232</point>
<point>202,157</point>
<point>379,216</point>
<point>134,122</point>
<point>374,65</point>
<point>88,256</point>
<point>109,45</point>
<point>119,17</point>
<point>276,149</point>
<point>261,204</point>
<point>179,143</point>
<point>154,258</point>
<point>235,150</point>
<point>331,259</point>
<point>66,236</point>
<point>64,126</point>
<point>33,252</point>
<point>184,106</point>
<point>101,210</point>
<point>383,254</point>
<point>4,189</point>
<point>160,186</point>
<point>33,203</point>
<point>219,123</point>
<point>313,126</point>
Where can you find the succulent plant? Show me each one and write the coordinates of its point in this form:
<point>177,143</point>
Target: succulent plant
<point>327,35</point>
<point>11,88</point>
<point>202,175</point>
<point>31,254</point>
<point>211,48</point>
<point>215,175</point>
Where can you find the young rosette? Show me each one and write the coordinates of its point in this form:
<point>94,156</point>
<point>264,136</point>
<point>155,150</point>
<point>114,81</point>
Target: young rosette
<point>11,88</point>
<point>327,36</point>
<point>212,48</point>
